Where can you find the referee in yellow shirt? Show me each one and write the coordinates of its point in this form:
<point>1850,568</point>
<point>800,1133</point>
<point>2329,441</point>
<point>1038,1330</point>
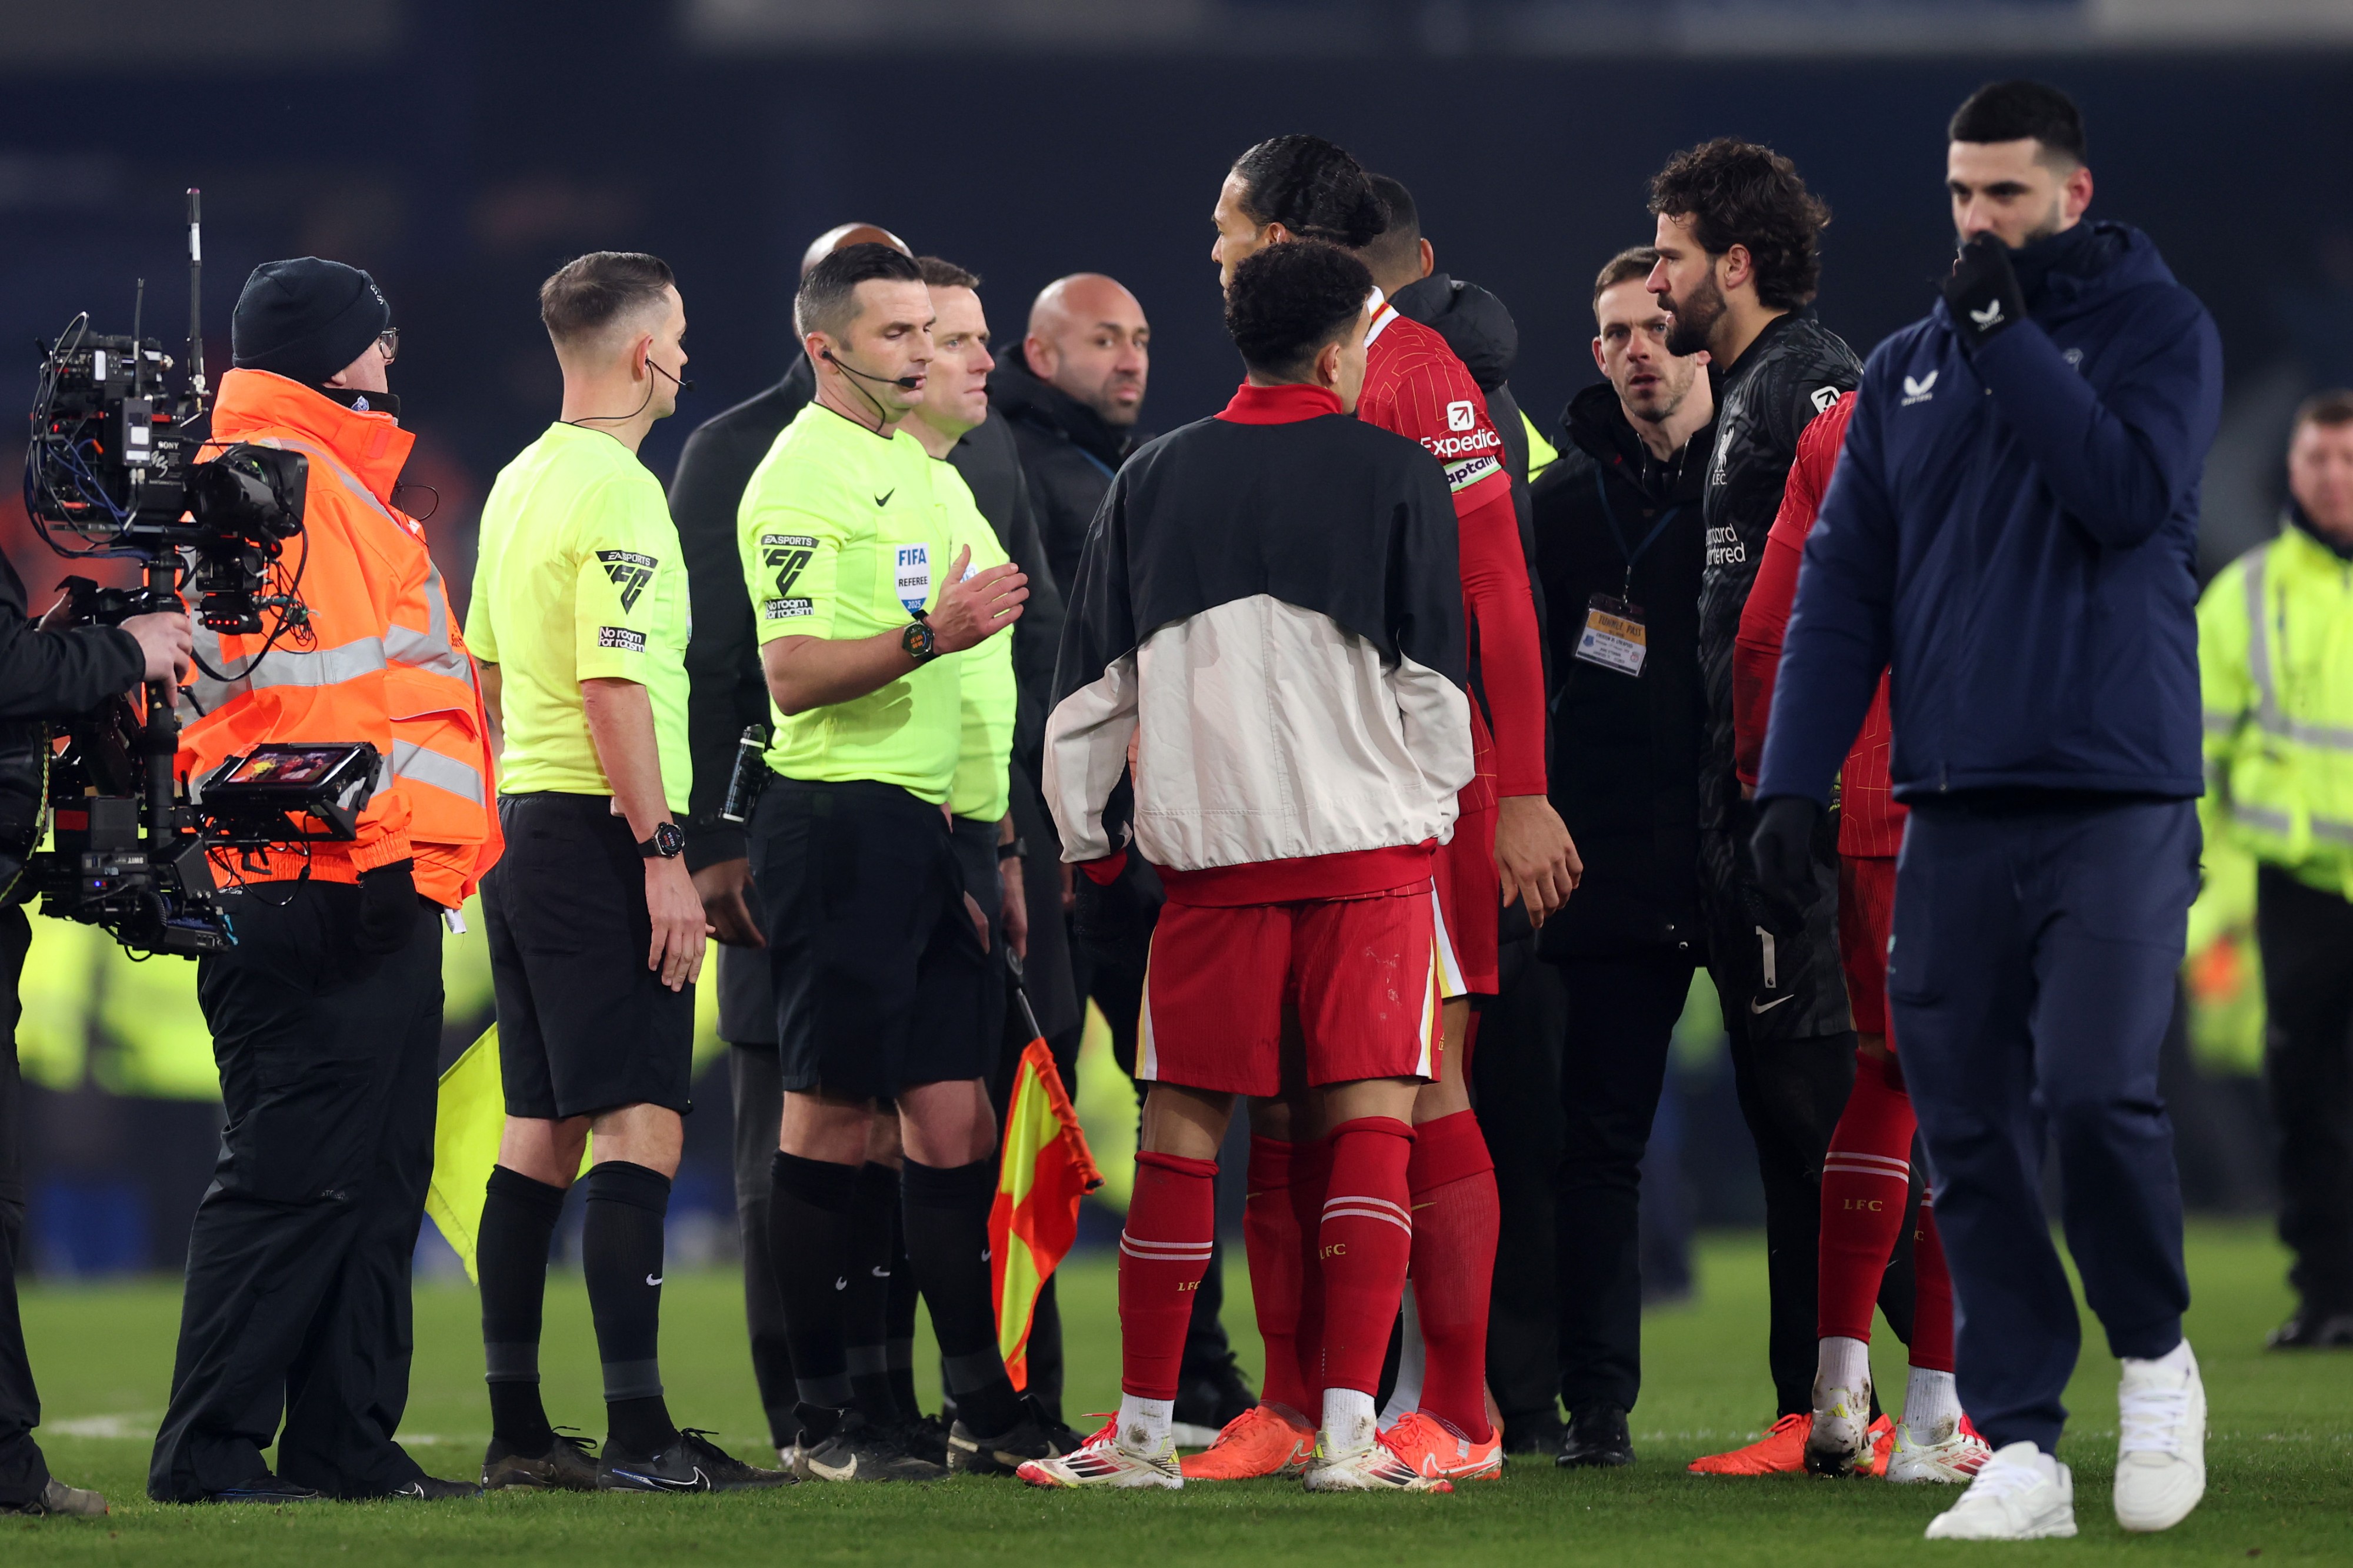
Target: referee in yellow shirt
<point>580,617</point>
<point>857,550</point>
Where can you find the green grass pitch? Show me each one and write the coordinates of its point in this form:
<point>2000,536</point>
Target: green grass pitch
<point>2281,1458</point>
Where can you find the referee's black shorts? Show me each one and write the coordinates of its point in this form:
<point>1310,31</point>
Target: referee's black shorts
<point>880,980</point>
<point>585,1026</point>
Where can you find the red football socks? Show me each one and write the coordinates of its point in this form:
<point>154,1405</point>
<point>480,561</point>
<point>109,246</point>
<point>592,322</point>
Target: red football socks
<point>1363,1244</point>
<point>1866,1178</point>
<point>1172,1221</point>
<point>1932,1295</point>
<point>1456,1217</point>
<point>1277,1269</point>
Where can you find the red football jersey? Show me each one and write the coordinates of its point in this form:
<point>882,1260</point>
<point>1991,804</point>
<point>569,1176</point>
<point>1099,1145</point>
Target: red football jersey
<point>1417,387</point>
<point>1871,819</point>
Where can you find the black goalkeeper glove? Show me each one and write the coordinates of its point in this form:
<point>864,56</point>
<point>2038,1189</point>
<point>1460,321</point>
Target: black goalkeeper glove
<point>1983,292</point>
<point>1782,847</point>
<point>387,909</point>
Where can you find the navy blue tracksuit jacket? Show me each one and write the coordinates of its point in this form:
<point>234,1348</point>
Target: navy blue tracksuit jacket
<point>2011,532</point>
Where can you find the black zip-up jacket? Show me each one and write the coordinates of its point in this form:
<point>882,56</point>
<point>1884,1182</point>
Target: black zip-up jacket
<point>45,675</point>
<point>990,462</point>
<point>727,689</point>
<point>1069,451</point>
<point>1795,370</point>
<point>1625,768</point>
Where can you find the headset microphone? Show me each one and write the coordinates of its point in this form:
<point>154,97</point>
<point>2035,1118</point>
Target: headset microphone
<point>904,383</point>
<point>681,385</point>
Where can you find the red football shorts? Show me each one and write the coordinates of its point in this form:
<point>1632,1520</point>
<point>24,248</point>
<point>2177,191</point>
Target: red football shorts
<point>1866,918</point>
<point>1361,975</point>
<point>1470,902</point>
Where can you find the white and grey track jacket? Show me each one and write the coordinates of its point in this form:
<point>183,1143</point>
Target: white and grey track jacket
<point>1269,613</point>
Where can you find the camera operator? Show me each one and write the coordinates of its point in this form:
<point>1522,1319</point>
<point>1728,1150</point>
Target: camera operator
<point>44,675</point>
<point>326,1015</point>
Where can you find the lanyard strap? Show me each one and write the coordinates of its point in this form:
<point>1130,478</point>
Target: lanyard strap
<point>1601,487</point>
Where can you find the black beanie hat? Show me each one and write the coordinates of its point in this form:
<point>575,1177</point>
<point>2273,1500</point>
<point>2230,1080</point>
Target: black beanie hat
<point>306,319</point>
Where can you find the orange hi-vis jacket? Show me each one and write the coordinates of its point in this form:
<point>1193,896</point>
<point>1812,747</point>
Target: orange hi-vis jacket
<point>381,659</point>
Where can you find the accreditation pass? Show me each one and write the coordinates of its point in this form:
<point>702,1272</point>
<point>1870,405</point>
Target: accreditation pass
<point>1614,637</point>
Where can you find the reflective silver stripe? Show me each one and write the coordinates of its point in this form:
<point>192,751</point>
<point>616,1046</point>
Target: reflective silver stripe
<point>410,760</point>
<point>427,652</point>
<point>2268,717</point>
<point>2279,822</point>
<point>2259,643</point>
<point>2221,723</point>
<point>333,465</point>
<point>285,667</point>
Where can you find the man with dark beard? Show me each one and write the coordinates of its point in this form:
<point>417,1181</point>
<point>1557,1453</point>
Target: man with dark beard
<point>1739,263</point>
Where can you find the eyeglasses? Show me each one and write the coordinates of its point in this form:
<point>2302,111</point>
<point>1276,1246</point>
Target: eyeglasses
<point>388,340</point>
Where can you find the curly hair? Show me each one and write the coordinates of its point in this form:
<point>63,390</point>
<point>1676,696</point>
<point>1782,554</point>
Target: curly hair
<point>1313,189</point>
<point>1737,192</point>
<point>1288,300</point>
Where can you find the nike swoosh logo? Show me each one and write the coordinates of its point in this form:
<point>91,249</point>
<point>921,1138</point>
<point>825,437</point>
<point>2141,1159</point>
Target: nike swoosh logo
<point>1754,1009</point>
<point>653,1279</point>
<point>848,1472</point>
<point>879,1273</point>
<point>700,1482</point>
<point>884,498</point>
<point>841,1283</point>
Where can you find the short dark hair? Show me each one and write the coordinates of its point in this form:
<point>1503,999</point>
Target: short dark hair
<point>828,298</point>
<point>1633,262</point>
<point>1397,246</point>
<point>2328,409</point>
<point>1312,188</point>
<point>939,274</point>
<point>1737,192</point>
<point>2015,110</point>
<point>1288,300</point>
<point>591,292</point>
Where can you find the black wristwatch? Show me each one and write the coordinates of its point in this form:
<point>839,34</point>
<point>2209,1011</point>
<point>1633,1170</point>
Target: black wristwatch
<point>917,640</point>
<point>668,842</point>
<point>1013,849</point>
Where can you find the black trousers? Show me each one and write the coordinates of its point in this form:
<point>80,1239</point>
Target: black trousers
<point>298,1288</point>
<point>1619,1014</point>
<point>755,1078</point>
<point>1516,1080</point>
<point>2306,937</point>
<point>23,1475</point>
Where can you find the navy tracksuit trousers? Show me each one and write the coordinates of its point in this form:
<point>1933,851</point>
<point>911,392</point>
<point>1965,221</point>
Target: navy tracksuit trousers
<point>2031,978</point>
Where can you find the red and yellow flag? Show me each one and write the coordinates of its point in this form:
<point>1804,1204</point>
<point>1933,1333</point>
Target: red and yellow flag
<point>1045,1171</point>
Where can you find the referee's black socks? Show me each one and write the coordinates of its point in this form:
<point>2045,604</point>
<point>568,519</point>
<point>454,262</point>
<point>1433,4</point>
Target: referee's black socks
<point>519,1218</point>
<point>622,1257</point>
<point>809,1208</point>
<point>947,1241</point>
<point>865,1328</point>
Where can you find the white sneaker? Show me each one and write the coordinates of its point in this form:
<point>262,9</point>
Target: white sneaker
<point>2019,1494</point>
<point>1374,1466</point>
<point>1103,1460</point>
<point>2161,1453</point>
<point>1840,1441</point>
<point>1953,1454</point>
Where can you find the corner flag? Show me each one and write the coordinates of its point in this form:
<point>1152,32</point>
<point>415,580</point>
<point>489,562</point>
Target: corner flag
<point>1045,1170</point>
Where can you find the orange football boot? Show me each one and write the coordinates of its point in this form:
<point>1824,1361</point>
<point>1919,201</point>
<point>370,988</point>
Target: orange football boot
<point>1882,1439</point>
<point>1781,1451</point>
<point>1264,1440</point>
<point>1434,1448</point>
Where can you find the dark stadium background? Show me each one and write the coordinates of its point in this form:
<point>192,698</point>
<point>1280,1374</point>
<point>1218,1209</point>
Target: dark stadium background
<point>460,150</point>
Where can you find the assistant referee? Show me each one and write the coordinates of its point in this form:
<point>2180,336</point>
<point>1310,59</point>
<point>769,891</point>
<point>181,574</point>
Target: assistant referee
<point>596,931</point>
<point>857,554</point>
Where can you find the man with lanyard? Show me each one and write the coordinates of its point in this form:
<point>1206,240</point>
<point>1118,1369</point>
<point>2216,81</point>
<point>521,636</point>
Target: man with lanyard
<point>857,554</point>
<point>1619,547</point>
